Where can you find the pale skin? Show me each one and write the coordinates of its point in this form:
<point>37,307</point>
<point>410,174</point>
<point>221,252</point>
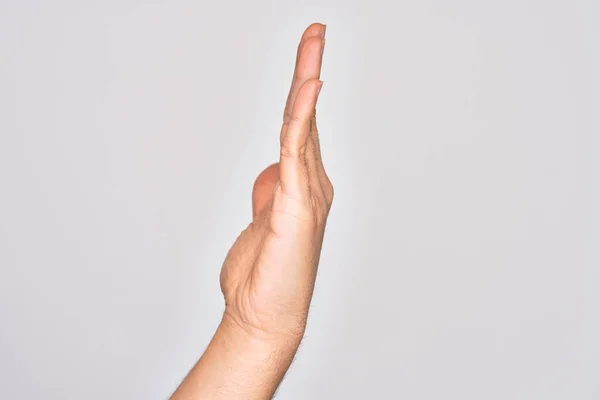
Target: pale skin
<point>269,274</point>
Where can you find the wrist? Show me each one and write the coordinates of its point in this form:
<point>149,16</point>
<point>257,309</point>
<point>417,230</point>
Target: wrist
<point>235,330</point>
<point>239,364</point>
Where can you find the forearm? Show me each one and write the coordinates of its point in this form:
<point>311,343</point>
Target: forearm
<point>238,365</point>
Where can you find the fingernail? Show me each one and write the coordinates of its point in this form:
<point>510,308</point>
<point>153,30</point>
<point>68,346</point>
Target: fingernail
<point>324,31</point>
<point>320,87</point>
<point>322,47</point>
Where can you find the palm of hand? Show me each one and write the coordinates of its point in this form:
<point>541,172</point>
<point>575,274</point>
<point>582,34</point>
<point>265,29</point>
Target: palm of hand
<point>268,275</point>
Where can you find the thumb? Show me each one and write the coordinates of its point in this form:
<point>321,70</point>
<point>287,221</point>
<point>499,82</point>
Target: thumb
<point>263,189</point>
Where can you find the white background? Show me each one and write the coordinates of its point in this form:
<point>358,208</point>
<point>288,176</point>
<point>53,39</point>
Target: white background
<point>461,259</point>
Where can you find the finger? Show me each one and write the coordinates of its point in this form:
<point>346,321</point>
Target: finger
<point>318,161</point>
<point>308,66</point>
<point>314,30</point>
<point>292,164</point>
<point>313,161</point>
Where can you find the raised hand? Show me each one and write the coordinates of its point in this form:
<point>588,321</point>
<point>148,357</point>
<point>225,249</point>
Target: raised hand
<point>269,273</point>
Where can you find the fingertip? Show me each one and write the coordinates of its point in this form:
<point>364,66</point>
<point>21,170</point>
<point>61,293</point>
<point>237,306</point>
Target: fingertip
<point>314,29</point>
<point>308,63</point>
<point>314,83</point>
<point>316,86</point>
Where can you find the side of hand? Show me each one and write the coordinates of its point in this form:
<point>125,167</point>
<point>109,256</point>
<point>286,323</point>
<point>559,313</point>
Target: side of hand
<point>269,273</point>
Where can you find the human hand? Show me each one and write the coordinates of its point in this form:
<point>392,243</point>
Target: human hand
<point>269,273</point>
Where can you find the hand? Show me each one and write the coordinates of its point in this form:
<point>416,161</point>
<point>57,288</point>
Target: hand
<point>268,275</point>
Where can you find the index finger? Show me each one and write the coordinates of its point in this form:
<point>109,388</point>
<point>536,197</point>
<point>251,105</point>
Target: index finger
<point>308,63</point>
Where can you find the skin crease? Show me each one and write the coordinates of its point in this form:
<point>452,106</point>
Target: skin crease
<point>269,273</point>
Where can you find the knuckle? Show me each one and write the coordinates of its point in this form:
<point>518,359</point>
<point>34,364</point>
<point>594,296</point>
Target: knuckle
<point>314,152</point>
<point>320,209</point>
<point>284,127</point>
<point>287,152</point>
<point>291,150</point>
<point>302,149</point>
<point>330,194</point>
<point>328,189</point>
<point>287,194</point>
<point>295,119</point>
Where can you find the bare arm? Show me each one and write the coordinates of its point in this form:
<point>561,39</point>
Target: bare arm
<point>269,273</point>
